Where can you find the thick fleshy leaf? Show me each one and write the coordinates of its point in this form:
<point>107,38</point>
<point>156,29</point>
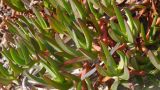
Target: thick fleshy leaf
<point>137,26</point>
<point>120,18</point>
<point>40,18</point>
<point>49,47</point>
<point>108,10</point>
<point>93,10</point>
<point>75,60</point>
<point>52,44</point>
<point>16,4</point>
<point>152,30</point>
<point>61,15</point>
<point>4,71</point>
<point>87,34</point>
<point>16,57</point>
<point>52,68</point>
<point>154,60</point>
<point>134,63</point>
<point>32,77</point>
<point>67,49</point>
<point>25,53</point>
<point>35,45</point>
<point>79,8</point>
<point>122,60</point>
<point>75,38</point>
<point>18,30</point>
<point>56,25</point>
<point>55,84</point>
<point>67,6</point>
<point>95,23</point>
<point>89,84</point>
<point>79,86</point>
<point>90,55</point>
<point>21,26</point>
<point>114,36</point>
<point>130,19</point>
<point>53,3</point>
<point>143,33</point>
<point>37,25</point>
<point>115,84</point>
<point>6,53</point>
<point>5,81</point>
<point>102,71</point>
<point>108,60</point>
<point>125,75</point>
<point>107,3</point>
<point>129,33</point>
<point>61,56</point>
<point>89,73</point>
<point>123,66</point>
<point>16,69</point>
<point>115,27</point>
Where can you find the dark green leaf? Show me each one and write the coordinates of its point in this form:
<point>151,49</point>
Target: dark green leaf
<point>16,4</point>
<point>120,18</point>
<point>87,34</point>
<point>108,60</point>
<point>102,71</point>
<point>64,47</point>
<point>16,57</point>
<point>40,18</point>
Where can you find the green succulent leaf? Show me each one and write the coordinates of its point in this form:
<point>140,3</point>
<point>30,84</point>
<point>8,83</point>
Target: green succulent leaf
<point>32,77</point>
<point>129,33</point>
<point>102,71</point>
<point>65,47</point>
<point>87,34</point>
<point>79,86</point>
<point>25,53</point>
<point>108,10</point>
<point>4,71</point>
<point>41,20</point>
<point>54,83</point>
<point>35,45</point>
<point>17,59</point>
<point>152,30</point>
<point>93,10</point>
<point>108,60</point>
<point>107,3</point>
<point>122,60</point>
<point>154,60</point>
<point>130,19</point>
<point>75,60</point>
<point>114,36</point>
<point>56,25</point>
<point>7,54</point>
<point>75,38</point>
<point>67,6</point>
<point>143,33</point>
<point>16,4</point>
<point>89,84</point>
<point>115,84</point>
<point>78,9</point>
<point>54,67</point>
<point>125,75</point>
<point>90,55</point>
<point>5,81</point>
<point>120,18</point>
<point>134,63</point>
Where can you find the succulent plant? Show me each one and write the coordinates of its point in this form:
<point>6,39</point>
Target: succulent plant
<point>106,40</point>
